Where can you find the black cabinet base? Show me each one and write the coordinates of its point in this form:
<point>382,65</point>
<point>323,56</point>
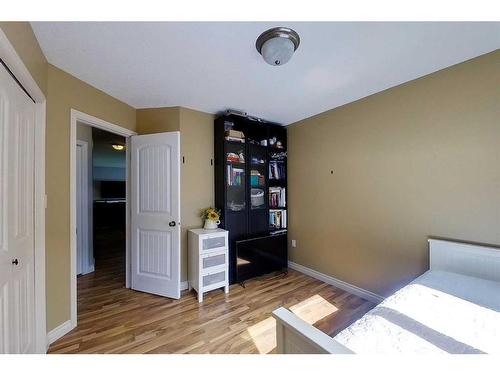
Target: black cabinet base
<point>260,256</point>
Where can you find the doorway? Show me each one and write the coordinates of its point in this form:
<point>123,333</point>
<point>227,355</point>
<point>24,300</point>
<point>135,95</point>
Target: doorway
<point>101,171</point>
<point>109,204</point>
<point>152,213</point>
<point>99,205</point>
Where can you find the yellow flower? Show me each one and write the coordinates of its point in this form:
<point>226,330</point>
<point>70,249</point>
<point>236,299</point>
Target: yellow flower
<point>210,213</point>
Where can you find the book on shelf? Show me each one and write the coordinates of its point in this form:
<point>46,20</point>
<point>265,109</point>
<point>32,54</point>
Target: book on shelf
<point>235,176</point>
<point>234,133</point>
<point>277,196</point>
<point>235,139</point>
<point>277,170</point>
<point>277,219</point>
<point>257,179</point>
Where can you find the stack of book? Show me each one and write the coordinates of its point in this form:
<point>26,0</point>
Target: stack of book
<point>277,197</point>
<point>277,170</point>
<point>235,176</point>
<point>277,219</point>
<point>256,178</point>
<point>235,136</point>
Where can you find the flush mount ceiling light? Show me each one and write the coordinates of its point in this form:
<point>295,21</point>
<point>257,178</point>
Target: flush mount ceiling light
<point>118,147</point>
<point>277,45</point>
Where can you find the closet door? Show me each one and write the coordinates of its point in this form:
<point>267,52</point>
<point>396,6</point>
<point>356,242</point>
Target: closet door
<point>17,119</point>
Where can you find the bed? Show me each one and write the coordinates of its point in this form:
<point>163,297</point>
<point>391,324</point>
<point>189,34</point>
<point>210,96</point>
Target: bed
<point>454,307</point>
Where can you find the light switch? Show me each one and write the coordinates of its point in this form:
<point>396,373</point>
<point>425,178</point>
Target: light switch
<point>294,243</point>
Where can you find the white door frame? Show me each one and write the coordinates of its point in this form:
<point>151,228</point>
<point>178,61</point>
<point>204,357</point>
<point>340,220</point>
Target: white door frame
<point>77,116</point>
<point>17,67</point>
<point>83,208</point>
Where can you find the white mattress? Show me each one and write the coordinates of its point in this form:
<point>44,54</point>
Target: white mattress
<point>439,312</point>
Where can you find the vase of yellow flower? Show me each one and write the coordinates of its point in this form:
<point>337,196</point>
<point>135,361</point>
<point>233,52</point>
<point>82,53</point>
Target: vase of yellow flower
<point>211,216</point>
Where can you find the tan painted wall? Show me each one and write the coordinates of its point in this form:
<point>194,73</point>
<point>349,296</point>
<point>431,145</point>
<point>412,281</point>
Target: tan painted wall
<point>66,92</point>
<point>197,174</point>
<point>21,36</point>
<point>158,120</point>
<point>197,184</point>
<point>417,160</point>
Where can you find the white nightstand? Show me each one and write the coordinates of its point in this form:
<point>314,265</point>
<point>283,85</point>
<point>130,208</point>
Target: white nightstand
<point>208,260</point>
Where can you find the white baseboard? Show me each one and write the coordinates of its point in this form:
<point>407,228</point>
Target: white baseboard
<point>363,293</point>
<point>59,331</point>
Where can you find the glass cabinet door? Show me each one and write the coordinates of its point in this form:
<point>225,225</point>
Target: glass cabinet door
<point>257,159</point>
<point>235,176</point>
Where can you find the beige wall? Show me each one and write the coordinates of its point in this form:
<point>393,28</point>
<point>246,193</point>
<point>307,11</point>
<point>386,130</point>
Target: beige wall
<point>197,173</point>
<point>64,93</point>
<point>197,184</point>
<point>418,160</point>
<point>158,120</point>
<point>21,36</point>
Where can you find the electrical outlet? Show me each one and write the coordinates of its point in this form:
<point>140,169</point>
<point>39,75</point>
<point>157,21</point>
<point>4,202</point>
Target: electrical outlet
<point>294,243</point>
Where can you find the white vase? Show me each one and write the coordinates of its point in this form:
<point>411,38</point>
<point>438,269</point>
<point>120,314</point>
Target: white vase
<point>211,224</point>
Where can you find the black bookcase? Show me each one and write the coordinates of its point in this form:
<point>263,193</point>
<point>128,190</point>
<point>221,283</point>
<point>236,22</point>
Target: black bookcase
<point>250,190</point>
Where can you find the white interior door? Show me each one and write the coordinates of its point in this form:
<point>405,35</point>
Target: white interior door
<point>155,213</point>
<point>17,119</point>
<point>82,207</point>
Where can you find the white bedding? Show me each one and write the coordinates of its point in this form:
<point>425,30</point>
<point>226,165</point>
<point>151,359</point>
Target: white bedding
<point>439,312</point>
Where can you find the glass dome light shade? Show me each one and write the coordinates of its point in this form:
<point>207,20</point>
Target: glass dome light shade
<point>277,51</point>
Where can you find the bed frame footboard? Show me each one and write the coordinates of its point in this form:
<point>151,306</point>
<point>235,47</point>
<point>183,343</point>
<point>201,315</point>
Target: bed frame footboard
<point>295,336</point>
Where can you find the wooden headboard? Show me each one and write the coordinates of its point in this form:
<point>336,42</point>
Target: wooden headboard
<point>466,259</point>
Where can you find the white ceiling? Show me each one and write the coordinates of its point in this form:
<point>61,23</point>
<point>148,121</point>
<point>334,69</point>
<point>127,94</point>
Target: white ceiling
<point>215,66</point>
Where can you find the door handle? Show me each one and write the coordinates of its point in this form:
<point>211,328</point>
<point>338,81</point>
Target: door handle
<point>172,223</point>
<point>15,262</point>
